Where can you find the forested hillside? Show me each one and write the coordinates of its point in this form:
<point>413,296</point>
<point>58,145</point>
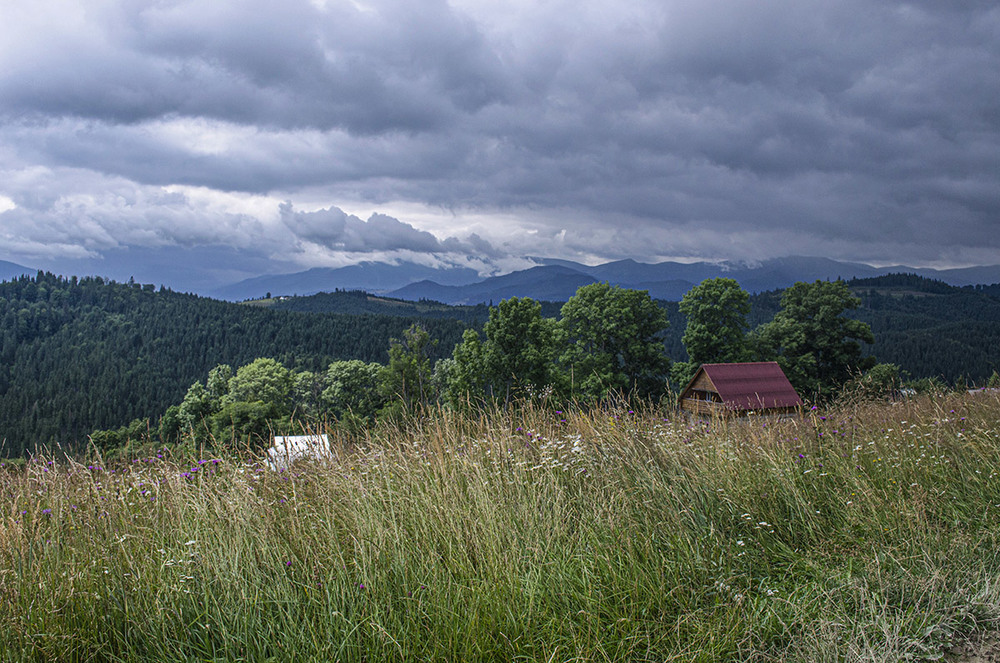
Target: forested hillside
<point>926,327</point>
<point>930,328</point>
<point>83,354</point>
<point>358,302</point>
<point>80,354</point>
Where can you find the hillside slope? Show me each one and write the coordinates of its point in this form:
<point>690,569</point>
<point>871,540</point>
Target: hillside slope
<point>76,355</point>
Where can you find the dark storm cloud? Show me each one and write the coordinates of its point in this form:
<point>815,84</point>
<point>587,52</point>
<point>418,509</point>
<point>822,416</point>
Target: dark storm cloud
<point>399,66</point>
<point>729,129</point>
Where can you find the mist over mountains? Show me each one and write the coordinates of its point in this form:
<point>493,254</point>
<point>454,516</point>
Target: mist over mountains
<point>558,280</point>
<point>551,279</point>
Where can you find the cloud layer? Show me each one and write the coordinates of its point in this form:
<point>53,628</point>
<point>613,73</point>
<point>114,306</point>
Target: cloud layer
<point>585,129</point>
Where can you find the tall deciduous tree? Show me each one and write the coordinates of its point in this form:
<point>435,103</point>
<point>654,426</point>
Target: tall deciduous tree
<point>463,375</point>
<point>352,390</point>
<point>406,381</point>
<point>613,342</point>
<point>516,359</point>
<point>716,312</point>
<point>519,353</point>
<point>817,346</point>
<point>263,380</point>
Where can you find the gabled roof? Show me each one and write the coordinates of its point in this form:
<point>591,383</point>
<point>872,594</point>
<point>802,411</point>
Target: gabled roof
<point>750,386</point>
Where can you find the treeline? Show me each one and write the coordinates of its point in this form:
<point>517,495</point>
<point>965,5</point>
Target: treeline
<point>359,302</point>
<point>928,328</point>
<point>606,343</point>
<point>79,354</point>
<point>931,329</point>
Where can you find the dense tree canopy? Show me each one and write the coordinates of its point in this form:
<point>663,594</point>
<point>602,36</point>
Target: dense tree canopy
<point>614,342</point>
<point>817,345</point>
<point>84,354</point>
<point>716,312</point>
<point>406,382</point>
<point>81,354</point>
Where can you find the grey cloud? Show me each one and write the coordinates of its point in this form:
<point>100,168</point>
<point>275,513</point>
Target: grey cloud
<point>336,230</point>
<point>641,128</point>
<point>403,66</point>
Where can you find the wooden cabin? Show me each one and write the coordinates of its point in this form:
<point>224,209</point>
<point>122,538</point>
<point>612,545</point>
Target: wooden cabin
<point>736,389</point>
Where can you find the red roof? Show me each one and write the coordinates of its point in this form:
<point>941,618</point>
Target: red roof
<point>753,385</point>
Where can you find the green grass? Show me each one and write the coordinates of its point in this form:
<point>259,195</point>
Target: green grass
<point>864,534</point>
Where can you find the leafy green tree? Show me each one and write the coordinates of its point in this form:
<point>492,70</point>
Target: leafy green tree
<point>519,352</point>
<point>248,421</point>
<point>716,331</point>
<point>307,393</point>
<point>613,342</point>
<point>170,424</point>
<point>406,382</point>
<point>258,403</point>
<point>817,345</point>
<point>195,410</point>
<point>352,390</point>
<point>263,380</point>
<point>217,384</point>
<point>463,375</point>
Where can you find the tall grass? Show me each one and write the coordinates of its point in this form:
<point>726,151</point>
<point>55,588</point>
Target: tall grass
<point>868,533</point>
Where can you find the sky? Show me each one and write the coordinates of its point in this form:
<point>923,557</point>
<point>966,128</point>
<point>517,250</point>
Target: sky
<point>203,142</point>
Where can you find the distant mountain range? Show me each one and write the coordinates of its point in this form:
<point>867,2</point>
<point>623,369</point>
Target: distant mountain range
<point>10,270</point>
<point>558,280</point>
<point>369,276</point>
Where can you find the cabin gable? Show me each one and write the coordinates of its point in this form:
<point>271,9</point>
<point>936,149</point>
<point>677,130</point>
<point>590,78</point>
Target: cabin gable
<point>739,388</point>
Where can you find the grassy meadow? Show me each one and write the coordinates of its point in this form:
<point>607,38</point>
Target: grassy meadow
<point>863,533</point>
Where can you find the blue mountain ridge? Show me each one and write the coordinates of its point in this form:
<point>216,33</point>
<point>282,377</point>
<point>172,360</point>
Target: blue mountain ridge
<point>11,270</point>
<point>368,276</point>
<point>558,280</point>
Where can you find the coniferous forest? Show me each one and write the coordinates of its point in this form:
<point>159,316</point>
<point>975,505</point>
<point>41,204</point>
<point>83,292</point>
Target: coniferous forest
<point>81,354</point>
<point>78,355</point>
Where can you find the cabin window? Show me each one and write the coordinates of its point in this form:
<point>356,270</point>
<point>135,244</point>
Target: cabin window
<point>702,395</point>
